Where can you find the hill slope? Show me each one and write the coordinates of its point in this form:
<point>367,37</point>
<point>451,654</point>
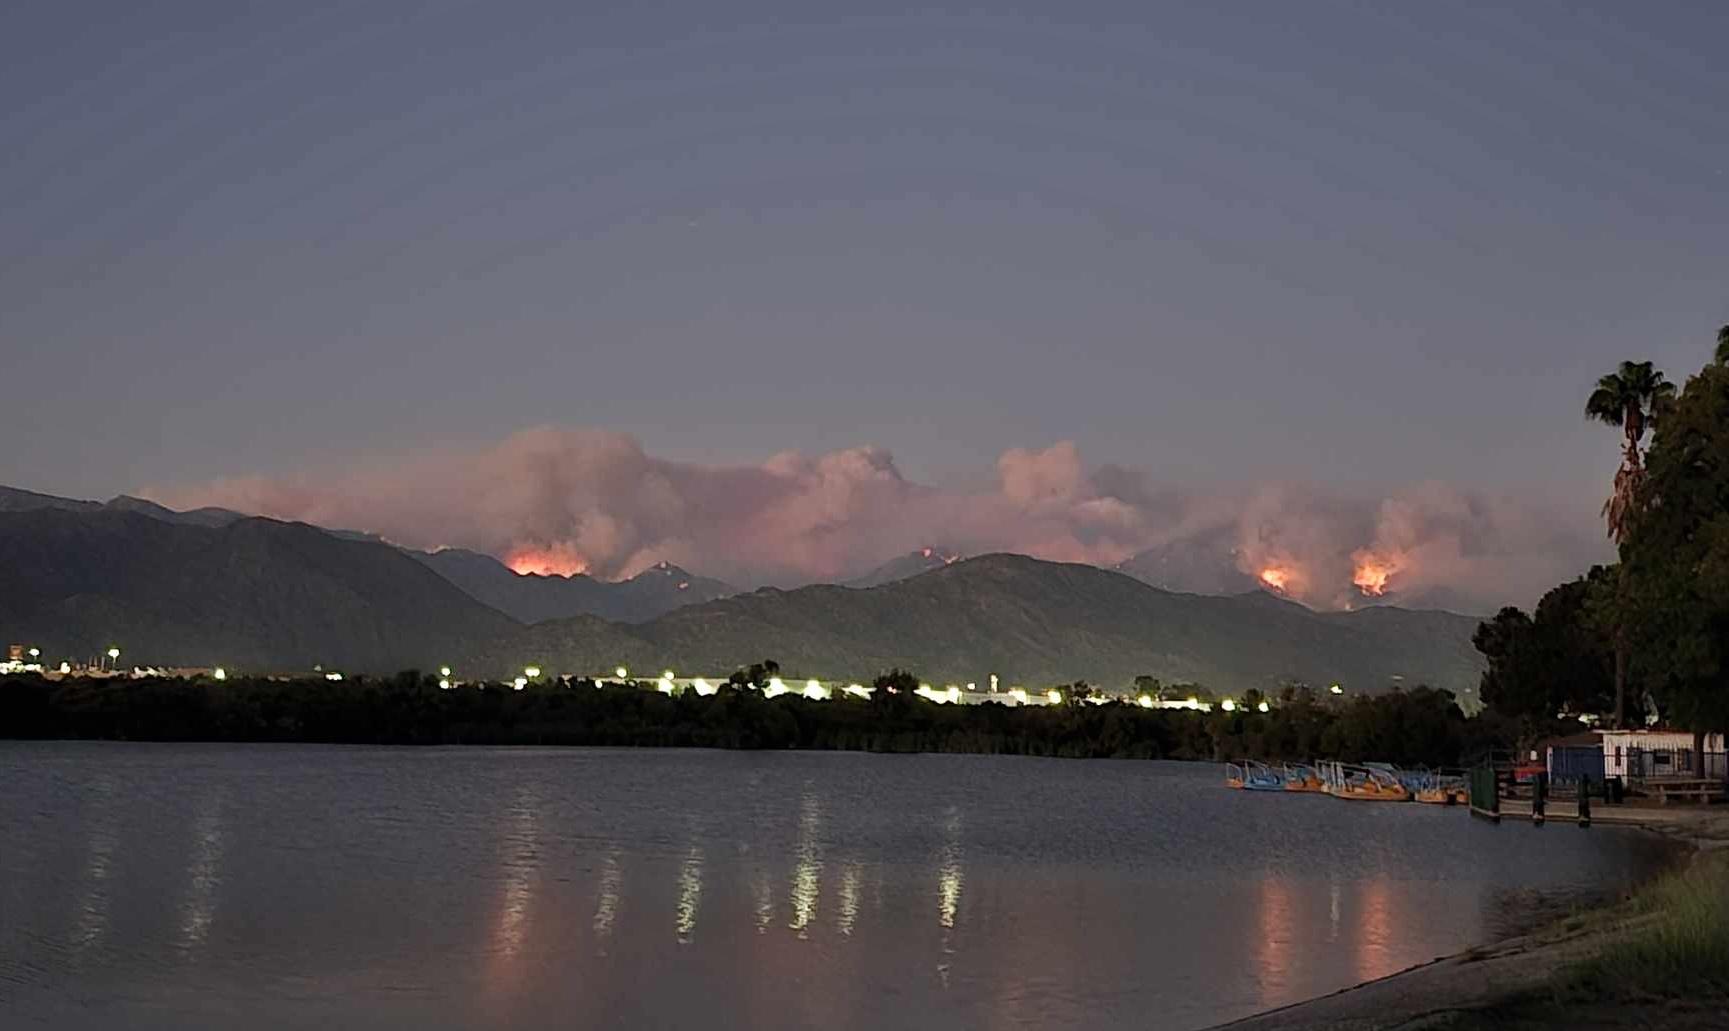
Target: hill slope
<point>906,566</point>
<point>256,594</point>
<point>532,598</point>
<point>1038,622</point>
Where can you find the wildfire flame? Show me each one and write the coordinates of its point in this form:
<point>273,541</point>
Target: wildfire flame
<point>1372,572</point>
<point>556,560</point>
<point>1276,578</point>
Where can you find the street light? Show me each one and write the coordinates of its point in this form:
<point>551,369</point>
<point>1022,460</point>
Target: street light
<point>1336,689</point>
<point>35,653</point>
<point>113,654</point>
<point>219,673</point>
<point>531,672</point>
<point>444,671</point>
<point>622,672</point>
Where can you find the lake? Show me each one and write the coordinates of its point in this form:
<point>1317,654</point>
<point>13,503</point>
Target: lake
<point>213,886</point>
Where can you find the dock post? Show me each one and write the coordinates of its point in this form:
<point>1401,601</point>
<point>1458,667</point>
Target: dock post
<point>1539,798</point>
<point>1584,801</point>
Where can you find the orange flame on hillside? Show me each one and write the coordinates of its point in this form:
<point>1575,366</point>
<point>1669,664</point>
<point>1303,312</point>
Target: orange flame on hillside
<point>1276,578</point>
<point>1371,573</point>
<point>556,560</point>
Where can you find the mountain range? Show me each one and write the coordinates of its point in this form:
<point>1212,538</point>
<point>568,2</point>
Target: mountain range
<point>214,587</point>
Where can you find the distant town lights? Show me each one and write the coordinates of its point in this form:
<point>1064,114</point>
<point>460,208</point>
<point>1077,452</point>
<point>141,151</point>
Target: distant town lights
<point>1228,705</point>
<point>1336,689</point>
<point>621,672</point>
<point>1055,696</point>
<point>444,671</point>
<point>1264,707</point>
<point>219,673</point>
<point>531,672</point>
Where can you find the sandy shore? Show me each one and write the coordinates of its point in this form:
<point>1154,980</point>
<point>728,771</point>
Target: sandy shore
<point>1446,992</point>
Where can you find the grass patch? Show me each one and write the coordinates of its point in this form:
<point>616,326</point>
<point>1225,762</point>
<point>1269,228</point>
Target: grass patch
<point>1672,944</point>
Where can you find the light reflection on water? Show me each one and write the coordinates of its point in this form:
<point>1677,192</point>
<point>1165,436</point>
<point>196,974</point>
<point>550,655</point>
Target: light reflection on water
<point>91,924</point>
<point>203,871</point>
<point>806,888</point>
<point>607,898</point>
<point>689,893</point>
<point>307,887</point>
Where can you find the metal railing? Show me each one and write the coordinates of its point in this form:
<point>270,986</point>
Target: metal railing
<point>1656,764</point>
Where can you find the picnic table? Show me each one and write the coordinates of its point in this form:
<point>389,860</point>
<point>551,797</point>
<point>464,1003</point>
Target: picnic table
<point>1688,789</point>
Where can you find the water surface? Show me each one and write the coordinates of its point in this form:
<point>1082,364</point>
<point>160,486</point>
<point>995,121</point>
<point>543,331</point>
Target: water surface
<point>207,886</point>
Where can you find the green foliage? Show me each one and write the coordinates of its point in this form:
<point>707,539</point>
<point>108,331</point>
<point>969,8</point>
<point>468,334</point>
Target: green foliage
<point>1421,726</point>
<point>1561,659</point>
<point>1678,563</point>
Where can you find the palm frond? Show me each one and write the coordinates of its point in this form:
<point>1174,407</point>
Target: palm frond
<point>1607,402</point>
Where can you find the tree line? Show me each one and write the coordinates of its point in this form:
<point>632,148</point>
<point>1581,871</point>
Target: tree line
<point>1646,636</point>
<point>1421,726</point>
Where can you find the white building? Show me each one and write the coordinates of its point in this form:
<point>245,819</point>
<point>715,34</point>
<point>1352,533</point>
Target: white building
<point>1662,752</point>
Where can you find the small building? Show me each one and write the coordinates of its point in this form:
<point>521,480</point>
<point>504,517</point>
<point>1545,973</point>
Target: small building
<point>1574,758</point>
<point>1646,753</point>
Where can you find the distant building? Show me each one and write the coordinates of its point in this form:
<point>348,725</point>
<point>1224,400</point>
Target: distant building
<point>1645,753</point>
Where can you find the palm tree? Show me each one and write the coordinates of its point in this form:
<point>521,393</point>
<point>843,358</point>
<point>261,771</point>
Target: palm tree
<point>1723,346</point>
<point>1633,397</point>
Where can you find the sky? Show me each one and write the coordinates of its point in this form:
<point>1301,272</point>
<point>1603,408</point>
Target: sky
<point>1355,247</point>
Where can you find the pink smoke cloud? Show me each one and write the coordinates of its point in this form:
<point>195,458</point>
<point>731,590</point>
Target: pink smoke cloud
<point>594,499</point>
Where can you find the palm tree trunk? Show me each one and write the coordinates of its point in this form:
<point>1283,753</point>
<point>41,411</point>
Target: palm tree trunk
<point>1620,678</point>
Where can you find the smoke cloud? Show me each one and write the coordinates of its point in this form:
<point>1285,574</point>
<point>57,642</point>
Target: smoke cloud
<point>565,500</point>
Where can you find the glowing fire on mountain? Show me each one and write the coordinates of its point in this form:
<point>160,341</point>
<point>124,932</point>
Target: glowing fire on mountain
<point>1276,578</point>
<point>556,560</point>
<point>1371,573</point>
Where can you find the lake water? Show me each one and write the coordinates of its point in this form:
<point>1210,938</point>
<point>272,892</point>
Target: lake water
<point>215,886</point>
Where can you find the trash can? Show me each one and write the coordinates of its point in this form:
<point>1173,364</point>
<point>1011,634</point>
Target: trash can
<point>1614,790</point>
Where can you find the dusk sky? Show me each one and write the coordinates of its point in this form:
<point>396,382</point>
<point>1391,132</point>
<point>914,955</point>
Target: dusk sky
<point>1353,245</point>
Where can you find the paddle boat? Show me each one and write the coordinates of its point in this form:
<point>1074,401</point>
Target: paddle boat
<point>1373,783</point>
<point>1250,775</point>
<point>1302,777</point>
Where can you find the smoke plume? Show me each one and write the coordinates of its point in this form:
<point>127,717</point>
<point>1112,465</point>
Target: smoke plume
<point>585,500</point>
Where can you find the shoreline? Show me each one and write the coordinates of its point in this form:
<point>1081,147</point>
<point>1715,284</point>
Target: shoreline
<point>1459,990</point>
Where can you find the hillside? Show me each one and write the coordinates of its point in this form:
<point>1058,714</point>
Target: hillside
<point>906,566</point>
<point>1036,622</point>
<point>1202,563</point>
<point>255,593</point>
<point>532,598</point>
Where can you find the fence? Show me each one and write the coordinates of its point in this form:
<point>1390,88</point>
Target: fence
<point>1649,764</point>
